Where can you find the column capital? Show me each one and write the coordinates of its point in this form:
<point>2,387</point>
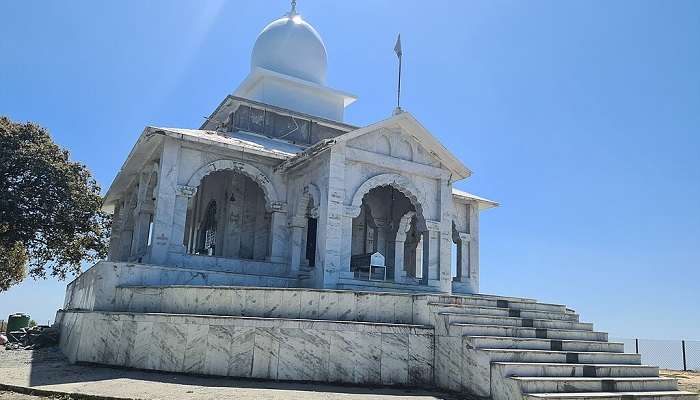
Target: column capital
<point>465,237</point>
<point>186,191</point>
<point>431,225</point>
<point>278,207</point>
<point>352,211</point>
<point>297,221</point>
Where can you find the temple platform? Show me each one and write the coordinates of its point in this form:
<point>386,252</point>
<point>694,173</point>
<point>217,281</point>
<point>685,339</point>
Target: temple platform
<point>505,348</point>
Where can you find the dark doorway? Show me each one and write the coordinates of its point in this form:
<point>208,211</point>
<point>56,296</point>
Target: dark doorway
<point>311,241</point>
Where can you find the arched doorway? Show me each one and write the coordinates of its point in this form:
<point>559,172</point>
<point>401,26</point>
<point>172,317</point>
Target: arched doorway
<point>228,217</point>
<point>389,224</point>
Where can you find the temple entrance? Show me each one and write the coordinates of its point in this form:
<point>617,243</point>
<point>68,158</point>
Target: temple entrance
<point>388,225</point>
<point>227,218</point>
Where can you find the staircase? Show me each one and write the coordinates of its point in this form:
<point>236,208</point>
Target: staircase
<point>520,349</point>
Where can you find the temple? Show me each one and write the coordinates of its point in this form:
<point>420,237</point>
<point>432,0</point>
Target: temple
<point>278,241</point>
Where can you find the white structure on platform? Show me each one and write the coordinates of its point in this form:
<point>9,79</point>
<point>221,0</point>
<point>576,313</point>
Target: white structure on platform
<point>274,184</point>
<point>279,242</point>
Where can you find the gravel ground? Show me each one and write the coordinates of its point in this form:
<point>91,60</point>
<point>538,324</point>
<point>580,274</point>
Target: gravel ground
<point>688,380</point>
<point>47,369</point>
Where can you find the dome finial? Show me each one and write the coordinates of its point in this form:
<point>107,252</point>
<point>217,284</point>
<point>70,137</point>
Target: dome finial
<point>294,7</point>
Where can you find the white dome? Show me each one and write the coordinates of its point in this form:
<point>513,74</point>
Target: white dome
<point>292,47</point>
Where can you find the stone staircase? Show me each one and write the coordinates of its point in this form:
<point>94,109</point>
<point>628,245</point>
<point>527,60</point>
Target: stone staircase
<point>522,349</point>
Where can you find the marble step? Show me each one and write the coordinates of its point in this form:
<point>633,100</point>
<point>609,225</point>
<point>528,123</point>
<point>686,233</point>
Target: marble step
<point>501,302</point>
<point>657,395</point>
<point>583,384</point>
<point>522,332</point>
<point>572,357</point>
<point>515,321</point>
<point>503,312</point>
<point>495,342</point>
<point>507,369</point>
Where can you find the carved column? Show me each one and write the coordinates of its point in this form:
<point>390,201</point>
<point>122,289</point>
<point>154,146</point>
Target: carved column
<point>463,272</point>
<point>279,234</point>
<point>431,254</point>
<point>177,233</point>
<point>349,212</point>
<point>474,246</point>
<point>296,226</point>
<point>165,207</point>
<point>115,233</point>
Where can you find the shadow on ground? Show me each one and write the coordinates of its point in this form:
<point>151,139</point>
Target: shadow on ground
<point>48,367</point>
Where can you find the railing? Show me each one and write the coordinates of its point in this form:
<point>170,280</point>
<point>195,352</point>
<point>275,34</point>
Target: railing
<point>668,354</point>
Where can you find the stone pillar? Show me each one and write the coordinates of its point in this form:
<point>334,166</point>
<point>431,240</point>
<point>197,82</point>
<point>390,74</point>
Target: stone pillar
<point>177,233</point>
<point>463,272</point>
<point>333,222</point>
<point>166,199</point>
<point>279,233</point>
<point>474,246</point>
<point>346,249</point>
<point>115,233</point>
<point>399,268</point>
<point>431,257</point>
<point>446,213</point>
<point>296,226</point>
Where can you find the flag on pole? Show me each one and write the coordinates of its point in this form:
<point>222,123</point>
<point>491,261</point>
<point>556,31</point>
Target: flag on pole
<point>397,47</point>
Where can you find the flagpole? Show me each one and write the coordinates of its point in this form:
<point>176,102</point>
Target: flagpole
<point>398,94</point>
<point>399,54</point>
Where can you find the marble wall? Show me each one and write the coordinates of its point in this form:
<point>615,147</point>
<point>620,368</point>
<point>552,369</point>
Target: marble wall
<point>96,288</point>
<point>277,349</point>
<point>295,303</point>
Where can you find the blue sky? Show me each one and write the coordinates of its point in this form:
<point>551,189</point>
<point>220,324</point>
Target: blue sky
<point>581,117</point>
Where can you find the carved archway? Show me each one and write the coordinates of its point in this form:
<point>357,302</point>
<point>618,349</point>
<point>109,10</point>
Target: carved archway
<point>398,182</point>
<point>271,198</point>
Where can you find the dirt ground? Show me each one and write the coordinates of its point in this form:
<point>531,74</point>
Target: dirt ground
<point>689,380</point>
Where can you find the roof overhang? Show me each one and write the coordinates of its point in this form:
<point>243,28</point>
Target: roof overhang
<point>152,137</point>
<point>464,197</point>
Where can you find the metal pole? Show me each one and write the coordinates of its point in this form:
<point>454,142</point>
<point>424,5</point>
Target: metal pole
<point>636,346</point>
<point>685,366</point>
<point>398,94</point>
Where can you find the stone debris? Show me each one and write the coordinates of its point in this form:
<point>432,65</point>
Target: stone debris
<point>31,338</point>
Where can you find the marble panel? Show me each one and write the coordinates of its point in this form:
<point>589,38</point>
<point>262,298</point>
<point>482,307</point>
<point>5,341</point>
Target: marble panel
<point>141,355</point>
<point>328,305</point>
<point>241,354</point>
<point>448,362</point>
<point>355,357</point>
<point>403,310</point>
<point>303,354</point>
<point>394,369</point>
<point>194,360</point>
<point>219,339</point>
<point>274,303</point>
<point>172,339</point>
<point>345,306</point>
<point>365,306</point>
<point>385,308</point>
<point>291,303</point>
<point>254,303</point>
<point>309,304</point>
<point>266,353</point>
<point>421,355</point>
